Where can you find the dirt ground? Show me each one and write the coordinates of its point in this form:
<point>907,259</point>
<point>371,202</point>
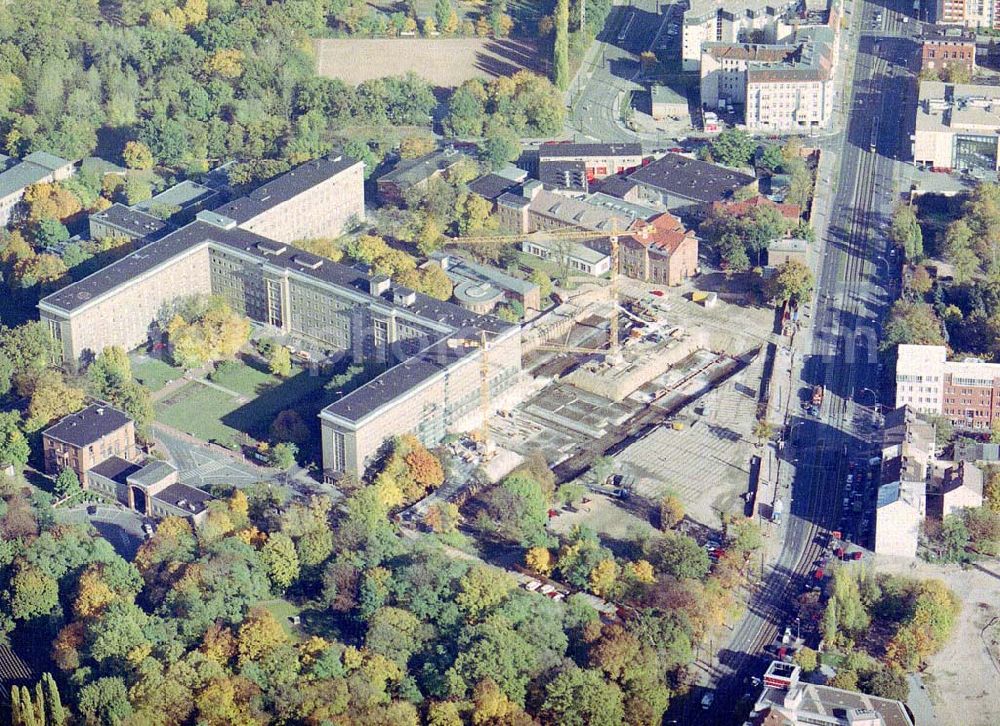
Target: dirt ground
<point>964,678</point>
<point>445,62</point>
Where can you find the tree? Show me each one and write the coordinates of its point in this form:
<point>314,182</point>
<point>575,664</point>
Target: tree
<point>279,362</point>
<point>581,697</point>
<point>921,281</point>
<point>772,158</point>
<point>539,559</point>
<point>733,147</point>
<point>104,702</point>
<point>31,593</point>
<point>570,493</point>
<point>807,659</point>
<point>679,556</point>
<point>49,233</point>
<point>763,431</point>
<point>603,576</point>
<point>137,189</point>
<point>905,232</point>
<point>671,511</point>
<point>13,445</point>
<point>885,682</point>
<point>501,146</point>
<point>544,282</point>
<point>793,281</point>
<point>912,323</point>
<point>137,155</point>
<point>517,510</point>
<point>281,560</point>
<point>413,147</point>
<point>481,590</point>
<point>282,455</point>
<point>442,13</point>
<point>259,634</point>
<point>66,484</point>
<point>560,47</point>
<point>289,426</point>
<point>50,398</point>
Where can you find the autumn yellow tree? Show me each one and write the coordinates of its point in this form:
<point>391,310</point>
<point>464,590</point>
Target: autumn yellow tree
<point>258,634</point>
<point>603,576</point>
<point>539,559</point>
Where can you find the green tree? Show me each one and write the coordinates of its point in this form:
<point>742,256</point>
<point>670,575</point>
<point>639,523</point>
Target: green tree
<point>280,361</point>
<point>442,13</point>
<point>49,233</point>
<point>517,510</point>
<point>582,697</point>
<point>137,155</point>
<point>14,447</point>
<point>31,593</point>
<point>905,232</point>
<point>282,455</point>
<point>807,659</point>
<point>913,323</point>
<point>501,146</point>
<point>104,702</point>
<point>793,281</point>
<point>560,47</point>
<point>281,560</point>
<point>772,158</point>
<point>66,484</point>
<point>885,682</point>
<point>733,147</point>
<point>678,556</point>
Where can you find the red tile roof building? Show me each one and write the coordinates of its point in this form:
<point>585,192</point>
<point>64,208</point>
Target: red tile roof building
<point>661,251</point>
<point>791,212</point>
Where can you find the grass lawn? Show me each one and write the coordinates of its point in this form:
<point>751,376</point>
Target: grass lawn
<point>153,373</point>
<point>283,611</point>
<point>197,409</point>
<point>213,415</point>
<point>245,379</point>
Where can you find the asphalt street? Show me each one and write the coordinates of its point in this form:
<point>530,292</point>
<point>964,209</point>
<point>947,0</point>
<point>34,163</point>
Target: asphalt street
<point>612,68</point>
<point>840,348</point>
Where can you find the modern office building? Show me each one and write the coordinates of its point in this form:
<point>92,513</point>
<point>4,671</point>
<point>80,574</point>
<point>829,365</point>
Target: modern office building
<point>967,392</point>
<point>432,383</point>
<point>956,126</point>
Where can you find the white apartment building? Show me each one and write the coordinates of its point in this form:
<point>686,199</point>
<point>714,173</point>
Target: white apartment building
<point>970,13</point>
<point>709,21</point>
<point>920,377</point>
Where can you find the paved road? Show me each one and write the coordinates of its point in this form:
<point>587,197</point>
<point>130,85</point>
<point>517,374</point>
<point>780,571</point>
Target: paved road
<point>611,68</point>
<point>839,350</point>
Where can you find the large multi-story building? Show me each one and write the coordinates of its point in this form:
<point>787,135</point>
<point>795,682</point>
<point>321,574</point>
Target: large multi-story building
<point>410,174</point>
<point>967,392</point>
<point>782,87</point>
<point>432,383</point>
<point>537,209</point>
<point>710,21</point>
<point>316,199</point>
<point>970,13</point>
<point>956,126</point>
<point>688,187</point>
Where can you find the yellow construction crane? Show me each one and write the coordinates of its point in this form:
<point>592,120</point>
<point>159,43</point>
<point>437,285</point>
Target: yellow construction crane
<point>574,235</point>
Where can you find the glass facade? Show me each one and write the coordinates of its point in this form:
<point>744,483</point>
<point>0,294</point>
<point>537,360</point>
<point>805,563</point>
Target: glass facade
<point>974,152</point>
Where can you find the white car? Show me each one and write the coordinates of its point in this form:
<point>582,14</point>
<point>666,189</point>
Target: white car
<point>707,700</point>
<point>532,585</point>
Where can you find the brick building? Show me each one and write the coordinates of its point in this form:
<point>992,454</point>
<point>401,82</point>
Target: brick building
<point>662,251</point>
<point>946,46</point>
<point>84,439</point>
<point>431,387</point>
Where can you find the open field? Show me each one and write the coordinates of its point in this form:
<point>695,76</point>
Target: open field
<point>445,62</point>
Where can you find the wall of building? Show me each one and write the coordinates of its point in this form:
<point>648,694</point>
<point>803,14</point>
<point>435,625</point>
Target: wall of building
<point>933,148</point>
<point>60,455</point>
<point>450,403</point>
<point>124,317</point>
<point>788,105</point>
<point>896,530</point>
<point>320,211</point>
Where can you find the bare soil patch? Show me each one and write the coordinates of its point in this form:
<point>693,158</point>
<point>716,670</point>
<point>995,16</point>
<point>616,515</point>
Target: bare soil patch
<point>445,62</point>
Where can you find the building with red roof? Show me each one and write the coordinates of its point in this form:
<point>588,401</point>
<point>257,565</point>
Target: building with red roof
<point>791,212</point>
<point>661,251</point>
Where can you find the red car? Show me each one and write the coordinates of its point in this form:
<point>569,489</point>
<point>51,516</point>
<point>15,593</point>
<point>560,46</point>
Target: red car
<point>857,555</point>
<point>819,573</point>
<point>658,293</point>
<point>839,552</point>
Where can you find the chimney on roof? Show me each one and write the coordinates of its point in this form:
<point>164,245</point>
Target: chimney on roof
<point>100,411</point>
<point>403,296</point>
<point>531,188</point>
<point>377,285</point>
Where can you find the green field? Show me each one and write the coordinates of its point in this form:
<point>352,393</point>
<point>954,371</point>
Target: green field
<point>213,415</point>
<point>153,373</point>
<point>283,611</point>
